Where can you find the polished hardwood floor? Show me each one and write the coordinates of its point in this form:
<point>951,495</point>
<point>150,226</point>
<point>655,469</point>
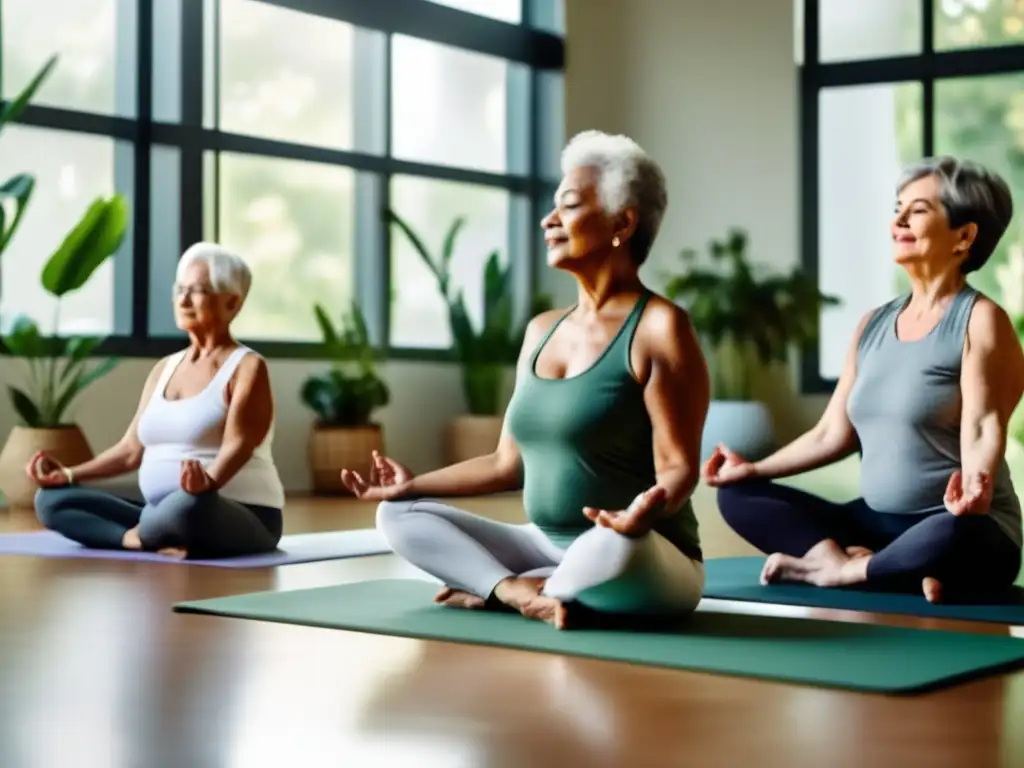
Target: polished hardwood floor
<point>95,670</point>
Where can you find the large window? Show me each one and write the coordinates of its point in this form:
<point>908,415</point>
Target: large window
<point>886,82</point>
<point>284,129</point>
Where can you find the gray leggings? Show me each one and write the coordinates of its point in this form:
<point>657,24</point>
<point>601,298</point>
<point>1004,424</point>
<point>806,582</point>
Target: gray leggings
<point>206,525</point>
<point>601,569</point>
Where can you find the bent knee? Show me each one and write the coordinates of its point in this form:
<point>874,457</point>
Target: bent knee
<point>390,512</point>
<point>607,544</point>
<point>46,502</point>
<point>735,498</point>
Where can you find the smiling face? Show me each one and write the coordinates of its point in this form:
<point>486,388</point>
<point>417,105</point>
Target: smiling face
<point>921,231</point>
<point>197,306</point>
<point>578,228</point>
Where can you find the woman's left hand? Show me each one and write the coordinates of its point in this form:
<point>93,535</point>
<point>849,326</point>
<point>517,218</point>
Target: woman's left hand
<point>194,479</point>
<point>635,520</point>
<point>972,496</point>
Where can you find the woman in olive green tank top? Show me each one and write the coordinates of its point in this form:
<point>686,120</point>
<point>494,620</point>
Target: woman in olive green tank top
<point>602,434</point>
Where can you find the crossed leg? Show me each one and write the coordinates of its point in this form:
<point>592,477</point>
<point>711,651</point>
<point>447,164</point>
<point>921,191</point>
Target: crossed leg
<point>482,560</point>
<point>813,540</point>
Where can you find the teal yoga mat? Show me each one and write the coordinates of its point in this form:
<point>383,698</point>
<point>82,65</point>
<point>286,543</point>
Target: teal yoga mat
<point>737,578</point>
<point>833,654</point>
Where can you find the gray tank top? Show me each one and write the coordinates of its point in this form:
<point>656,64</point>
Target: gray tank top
<point>905,406</point>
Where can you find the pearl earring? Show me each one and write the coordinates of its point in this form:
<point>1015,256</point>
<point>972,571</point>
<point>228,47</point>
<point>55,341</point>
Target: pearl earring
<point>615,242</point>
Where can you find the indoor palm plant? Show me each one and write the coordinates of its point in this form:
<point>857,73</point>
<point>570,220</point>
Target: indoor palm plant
<point>485,353</point>
<point>344,399</point>
<point>58,367</point>
<point>746,319</point>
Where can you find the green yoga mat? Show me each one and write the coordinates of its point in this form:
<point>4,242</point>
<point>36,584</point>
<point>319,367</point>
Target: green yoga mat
<point>834,654</point>
<point>737,578</point>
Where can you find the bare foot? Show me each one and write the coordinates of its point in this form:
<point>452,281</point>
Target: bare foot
<point>546,609</point>
<point>932,589</point>
<point>824,565</point>
<point>859,552</point>
<point>131,540</point>
<point>456,598</point>
<point>518,591</point>
<point>178,553</point>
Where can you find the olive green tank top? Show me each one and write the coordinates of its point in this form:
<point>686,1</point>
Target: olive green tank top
<point>588,441</point>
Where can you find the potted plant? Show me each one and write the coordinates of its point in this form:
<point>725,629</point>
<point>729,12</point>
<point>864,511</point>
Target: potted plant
<point>744,317</point>
<point>344,399</point>
<point>58,366</point>
<point>485,354</point>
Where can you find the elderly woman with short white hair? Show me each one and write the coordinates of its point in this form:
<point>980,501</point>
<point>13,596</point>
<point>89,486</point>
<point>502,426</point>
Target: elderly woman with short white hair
<point>200,439</point>
<point>603,431</point>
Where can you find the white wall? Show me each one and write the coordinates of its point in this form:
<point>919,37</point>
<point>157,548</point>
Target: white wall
<point>709,88</point>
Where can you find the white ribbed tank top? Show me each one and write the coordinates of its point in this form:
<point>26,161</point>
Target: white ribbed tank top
<point>172,431</point>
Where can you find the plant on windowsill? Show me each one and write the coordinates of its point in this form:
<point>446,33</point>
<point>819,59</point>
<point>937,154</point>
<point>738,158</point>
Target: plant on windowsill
<point>58,367</point>
<point>746,319</point>
<point>486,354</point>
<point>344,399</point>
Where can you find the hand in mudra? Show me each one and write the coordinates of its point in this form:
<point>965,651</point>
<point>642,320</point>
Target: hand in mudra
<point>636,520</point>
<point>194,479</point>
<point>970,497</point>
<point>725,467</point>
<point>46,472</point>
<point>388,480</point>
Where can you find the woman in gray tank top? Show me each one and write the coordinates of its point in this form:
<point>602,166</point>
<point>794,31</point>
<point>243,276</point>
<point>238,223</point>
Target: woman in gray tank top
<point>930,381</point>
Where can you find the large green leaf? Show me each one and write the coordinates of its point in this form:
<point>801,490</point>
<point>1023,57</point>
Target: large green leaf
<point>19,189</point>
<point>93,240</point>
<point>24,407</point>
<point>24,338</point>
<point>13,109</point>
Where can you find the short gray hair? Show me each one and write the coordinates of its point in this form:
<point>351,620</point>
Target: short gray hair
<point>627,177</point>
<point>228,271</point>
<point>970,193</point>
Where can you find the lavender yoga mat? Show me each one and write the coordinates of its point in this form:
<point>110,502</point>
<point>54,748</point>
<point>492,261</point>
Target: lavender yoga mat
<point>297,548</point>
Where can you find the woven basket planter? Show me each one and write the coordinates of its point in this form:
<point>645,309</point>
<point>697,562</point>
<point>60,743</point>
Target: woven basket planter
<point>65,444</point>
<point>332,449</point>
<point>468,436</point>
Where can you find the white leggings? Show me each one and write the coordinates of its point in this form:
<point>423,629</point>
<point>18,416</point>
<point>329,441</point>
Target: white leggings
<point>601,569</point>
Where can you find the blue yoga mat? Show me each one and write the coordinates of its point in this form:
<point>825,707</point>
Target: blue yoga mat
<point>737,578</point>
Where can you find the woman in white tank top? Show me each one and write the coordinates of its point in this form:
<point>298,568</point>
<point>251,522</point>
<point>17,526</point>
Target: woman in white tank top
<point>201,440</point>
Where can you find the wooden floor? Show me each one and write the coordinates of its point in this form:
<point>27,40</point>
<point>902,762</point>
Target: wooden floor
<point>96,671</point>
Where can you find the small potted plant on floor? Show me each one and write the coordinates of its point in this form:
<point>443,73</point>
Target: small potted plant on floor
<point>744,318</point>
<point>344,399</point>
<point>486,354</point>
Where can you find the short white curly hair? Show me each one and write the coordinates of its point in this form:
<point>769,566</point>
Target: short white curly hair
<point>228,271</point>
<point>627,177</point>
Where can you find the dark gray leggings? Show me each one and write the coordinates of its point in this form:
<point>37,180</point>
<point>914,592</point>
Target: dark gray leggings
<point>967,554</point>
<point>206,525</point>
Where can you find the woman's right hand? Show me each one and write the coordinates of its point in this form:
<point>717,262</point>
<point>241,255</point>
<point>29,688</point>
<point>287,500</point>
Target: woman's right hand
<point>46,472</point>
<point>388,480</point>
<point>726,467</point>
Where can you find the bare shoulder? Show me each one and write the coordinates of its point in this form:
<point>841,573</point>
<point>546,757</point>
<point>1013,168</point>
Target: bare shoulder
<point>252,368</point>
<point>540,325</point>
<point>667,326</point>
<point>157,370</point>
<point>989,323</point>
